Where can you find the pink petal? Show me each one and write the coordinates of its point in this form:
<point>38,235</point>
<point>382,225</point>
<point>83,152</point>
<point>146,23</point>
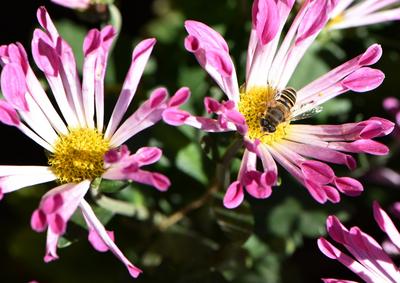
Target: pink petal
<point>364,79</point>
<point>332,194</point>
<point>46,22</point>
<point>234,195</point>
<point>38,221</point>
<point>255,186</point>
<point>97,242</point>
<point>192,44</point>
<point>317,171</point>
<point>52,203</point>
<point>265,16</point>
<point>148,155</point>
<point>140,56</point>
<point>94,223</point>
<point>180,97</point>
<point>13,86</point>
<point>328,249</point>
<point>8,115</point>
<point>348,186</point>
<point>336,229</point>
<point>332,280</point>
<point>221,61</point>
<point>44,54</point>
<point>51,246</point>
<point>205,35</point>
<point>370,146</point>
<point>386,224</point>
<point>314,19</point>
<point>212,105</point>
<point>371,55</point>
<point>175,117</point>
<point>386,126</point>
<point>92,41</point>
<point>316,191</point>
<point>57,224</point>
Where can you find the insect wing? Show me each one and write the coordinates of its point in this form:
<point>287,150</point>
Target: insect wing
<point>307,114</point>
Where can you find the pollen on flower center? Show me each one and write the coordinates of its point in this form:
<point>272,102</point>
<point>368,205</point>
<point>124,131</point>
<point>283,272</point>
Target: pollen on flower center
<point>79,155</point>
<point>336,20</point>
<point>252,105</point>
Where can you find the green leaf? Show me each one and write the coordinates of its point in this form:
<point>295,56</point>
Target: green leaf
<point>64,242</point>
<point>312,223</point>
<point>189,161</point>
<point>112,186</point>
<point>283,218</point>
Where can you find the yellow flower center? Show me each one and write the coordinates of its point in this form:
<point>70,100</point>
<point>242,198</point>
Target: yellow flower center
<point>79,155</point>
<point>253,104</point>
<point>336,20</point>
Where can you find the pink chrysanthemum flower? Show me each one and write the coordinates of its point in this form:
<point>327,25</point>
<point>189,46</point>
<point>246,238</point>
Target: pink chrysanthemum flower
<point>73,4</point>
<point>80,147</point>
<point>301,149</point>
<point>370,262</point>
<point>351,13</point>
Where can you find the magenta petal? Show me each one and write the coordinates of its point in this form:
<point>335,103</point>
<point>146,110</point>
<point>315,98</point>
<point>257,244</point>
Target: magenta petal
<point>364,79</point>
<point>143,47</point>
<point>111,156</point>
<point>314,19</point>
<point>1,194</point>
<point>386,125</point>
<point>221,61</point>
<point>148,155</point>
<point>328,249</point>
<point>44,54</point>
<point>160,181</point>
<point>180,97</point>
<point>205,35</point>
<point>51,203</point>
<point>372,130</point>
<point>192,43</point>
<point>38,221</point>
<point>332,194</point>
<point>349,186</point>
<point>370,146</point>
<point>97,242</point>
<point>133,270</point>
<point>92,41</point>
<point>212,105</point>
<point>270,178</point>
<point>13,86</point>
<point>316,191</point>
<point>175,117</point>
<point>317,171</point>
<point>255,186</point>
<point>57,223</point>
<point>234,195</point>
<point>371,55</point>
<point>8,115</point>
<point>336,229</point>
<point>265,19</point>
<point>157,97</point>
